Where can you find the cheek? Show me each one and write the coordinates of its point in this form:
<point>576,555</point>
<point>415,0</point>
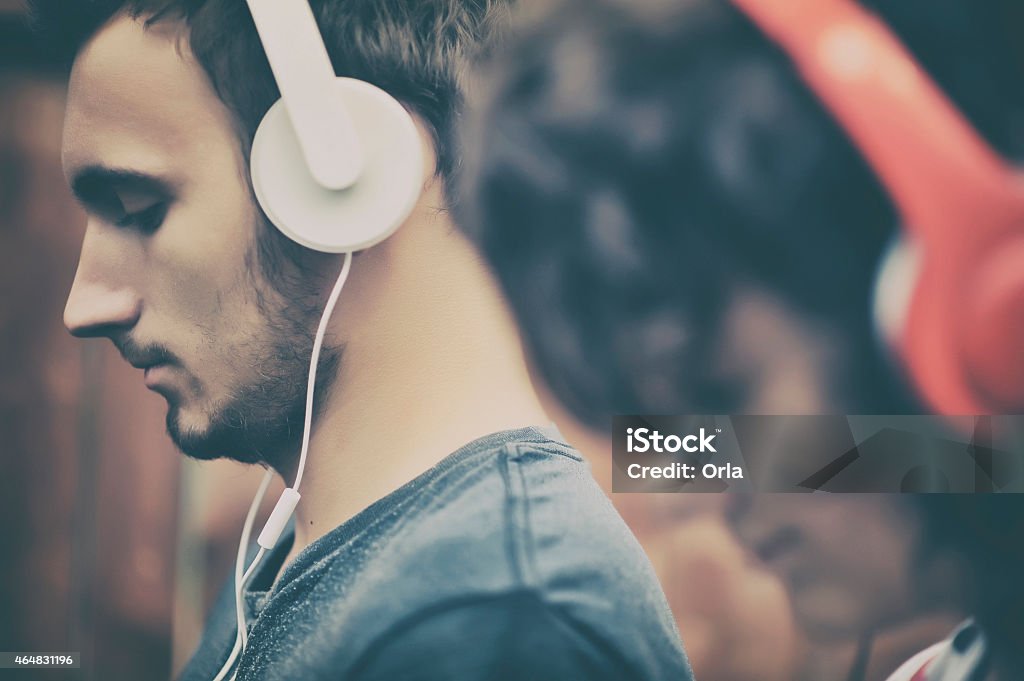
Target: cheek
<point>863,568</point>
<point>203,303</point>
<point>830,610</point>
<point>201,249</point>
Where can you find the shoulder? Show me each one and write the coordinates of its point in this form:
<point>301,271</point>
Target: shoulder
<point>515,636</point>
<point>523,541</point>
<point>527,514</point>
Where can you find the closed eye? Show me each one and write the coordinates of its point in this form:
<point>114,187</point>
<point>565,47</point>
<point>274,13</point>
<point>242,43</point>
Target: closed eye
<point>123,197</point>
<point>147,220</point>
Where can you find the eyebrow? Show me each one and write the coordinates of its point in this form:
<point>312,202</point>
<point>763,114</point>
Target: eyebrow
<point>95,186</point>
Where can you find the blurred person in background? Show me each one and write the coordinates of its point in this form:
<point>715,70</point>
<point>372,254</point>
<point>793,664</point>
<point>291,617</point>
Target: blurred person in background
<point>860,565</point>
<point>681,227</point>
<point>431,541</point>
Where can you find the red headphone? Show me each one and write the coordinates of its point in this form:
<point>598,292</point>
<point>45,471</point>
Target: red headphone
<point>961,336</point>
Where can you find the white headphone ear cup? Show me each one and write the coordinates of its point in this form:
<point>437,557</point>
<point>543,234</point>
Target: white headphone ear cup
<point>365,213</point>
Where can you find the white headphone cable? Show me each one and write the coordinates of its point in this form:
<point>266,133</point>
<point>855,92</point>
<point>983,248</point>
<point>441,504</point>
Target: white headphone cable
<point>289,497</point>
<point>332,300</point>
<point>243,543</point>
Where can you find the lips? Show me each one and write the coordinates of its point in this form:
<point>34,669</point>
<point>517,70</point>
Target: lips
<point>143,357</point>
<point>145,362</point>
<point>153,373</point>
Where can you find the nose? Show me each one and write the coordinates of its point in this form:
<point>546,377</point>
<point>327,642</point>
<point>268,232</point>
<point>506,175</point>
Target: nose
<point>100,302</point>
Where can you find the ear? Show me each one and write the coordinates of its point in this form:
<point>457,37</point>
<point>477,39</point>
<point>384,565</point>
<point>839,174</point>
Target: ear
<point>346,220</point>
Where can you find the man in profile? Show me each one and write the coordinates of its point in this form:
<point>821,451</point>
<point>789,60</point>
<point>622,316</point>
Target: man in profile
<point>441,533</point>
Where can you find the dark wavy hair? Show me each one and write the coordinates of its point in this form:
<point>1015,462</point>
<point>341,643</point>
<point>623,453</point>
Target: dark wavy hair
<point>414,49</point>
<point>635,164</point>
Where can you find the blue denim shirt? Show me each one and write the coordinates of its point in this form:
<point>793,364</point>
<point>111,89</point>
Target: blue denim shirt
<point>504,561</point>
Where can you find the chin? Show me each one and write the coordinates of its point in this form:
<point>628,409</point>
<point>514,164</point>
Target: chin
<point>190,433</point>
<point>231,434</point>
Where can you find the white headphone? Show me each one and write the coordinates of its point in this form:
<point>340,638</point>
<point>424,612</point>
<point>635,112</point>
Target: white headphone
<point>337,166</point>
<point>336,162</point>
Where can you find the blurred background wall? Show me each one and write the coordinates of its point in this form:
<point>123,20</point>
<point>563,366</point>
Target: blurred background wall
<point>89,484</point>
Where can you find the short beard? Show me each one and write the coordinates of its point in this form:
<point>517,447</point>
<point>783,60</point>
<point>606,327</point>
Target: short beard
<point>263,421</point>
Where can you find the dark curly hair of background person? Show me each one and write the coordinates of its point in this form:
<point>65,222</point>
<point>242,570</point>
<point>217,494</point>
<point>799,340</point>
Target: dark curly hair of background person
<point>634,164</point>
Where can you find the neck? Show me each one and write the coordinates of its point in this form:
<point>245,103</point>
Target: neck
<point>431,361</point>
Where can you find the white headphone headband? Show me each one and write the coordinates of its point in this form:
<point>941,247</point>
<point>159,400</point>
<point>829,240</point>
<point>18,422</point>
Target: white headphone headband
<point>304,75</point>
